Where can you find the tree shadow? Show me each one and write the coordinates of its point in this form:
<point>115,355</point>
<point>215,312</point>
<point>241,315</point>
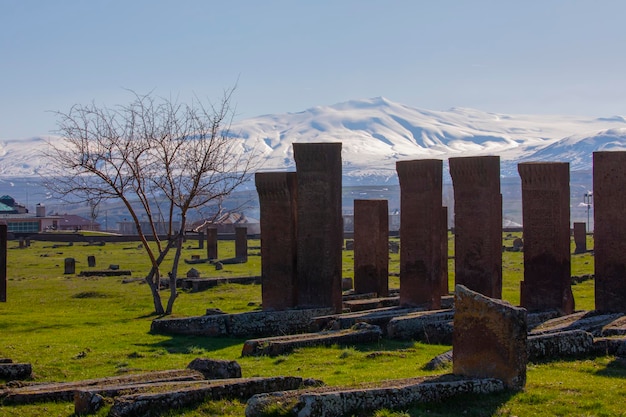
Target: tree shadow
<point>466,405</point>
<point>614,369</point>
<point>188,344</point>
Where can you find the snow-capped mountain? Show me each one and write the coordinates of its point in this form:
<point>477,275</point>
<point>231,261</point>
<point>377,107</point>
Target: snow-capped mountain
<point>377,132</point>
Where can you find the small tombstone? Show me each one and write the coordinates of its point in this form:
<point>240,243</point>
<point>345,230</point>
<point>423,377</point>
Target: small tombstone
<point>349,244</point>
<point>518,245</point>
<point>195,257</point>
<point>91,261</point>
<point>394,247</point>
<point>193,273</point>
<point>216,368</point>
<point>489,338</point>
<point>219,266</point>
<point>114,267</point>
<point>580,237</point>
<point>70,266</point>
<point>346,284</point>
<point>27,242</point>
<point>22,243</point>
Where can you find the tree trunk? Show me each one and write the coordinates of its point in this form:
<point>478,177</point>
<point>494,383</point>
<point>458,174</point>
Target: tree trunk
<point>173,274</point>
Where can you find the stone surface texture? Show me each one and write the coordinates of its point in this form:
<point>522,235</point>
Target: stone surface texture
<point>278,204</point>
<point>420,231</point>
<point>489,338</point>
<point>371,247</point>
<point>609,201</point>
<point>546,219</point>
<point>478,223</point>
<point>320,225</point>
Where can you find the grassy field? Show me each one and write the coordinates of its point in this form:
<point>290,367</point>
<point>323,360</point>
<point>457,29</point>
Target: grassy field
<point>73,328</point>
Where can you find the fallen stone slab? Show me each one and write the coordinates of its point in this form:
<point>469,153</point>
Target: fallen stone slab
<point>440,361</point>
<point>432,326</point>
<point>371,303</point>
<point>242,389</point>
<point>202,284</point>
<point>216,368</point>
<point>10,371</point>
<point>255,323</point>
<point>379,317</point>
<point>337,402</point>
<point>559,344</point>
<point>64,391</point>
<point>590,321</point>
<point>279,345</point>
<point>105,273</point>
<point>613,345</point>
<point>615,328</point>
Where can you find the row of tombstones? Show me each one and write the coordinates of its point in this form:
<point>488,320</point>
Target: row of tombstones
<point>302,236</point>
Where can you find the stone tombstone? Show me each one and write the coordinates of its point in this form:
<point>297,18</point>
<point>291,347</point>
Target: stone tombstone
<point>371,247</point>
<point>319,225</point>
<point>546,219</point>
<point>70,266</point>
<point>609,199</point>
<point>211,242</point>
<point>200,240</point>
<point>420,231</point>
<point>21,242</point>
<point>3,262</point>
<point>445,289</point>
<point>277,201</point>
<point>241,242</point>
<point>478,223</point>
<point>91,261</point>
<point>580,237</point>
<point>489,338</point>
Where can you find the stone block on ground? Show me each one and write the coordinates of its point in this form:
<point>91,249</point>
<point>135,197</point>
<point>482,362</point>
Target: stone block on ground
<point>490,338</point>
<point>559,345</point>
<point>433,326</point>
<point>216,368</point>
<point>371,303</point>
<point>614,345</point>
<point>15,371</point>
<point>399,394</point>
<point>379,317</point>
<point>593,322</point>
<point>274,346</point>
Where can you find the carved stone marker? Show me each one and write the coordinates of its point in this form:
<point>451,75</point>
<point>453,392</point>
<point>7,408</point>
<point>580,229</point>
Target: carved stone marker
<point>277,200</point>
<point>489,338</point>
<point>241,242</point>
<point>478,223</point>
<point>201,240</point>
<point>547,259</point>
<point>445,289</point>
<point>320,225</point>
<point>580,237</point>
<point>211,242</point>
<point>91,261</point>
<point>70,266</point>
<point>371,247</point>
<point>609,195</point>
<point>3,262</point>
<point>420,231</point>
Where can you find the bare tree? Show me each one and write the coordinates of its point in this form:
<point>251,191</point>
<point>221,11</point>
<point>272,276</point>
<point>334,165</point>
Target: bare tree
<point>149,151</point>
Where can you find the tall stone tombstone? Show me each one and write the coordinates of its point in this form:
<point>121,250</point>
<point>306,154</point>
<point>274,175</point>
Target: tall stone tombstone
<point>320,225</point>
<point>241,242</point>
<point>609,199</point>
<point>445,289</point>
<point>580,237</point>
<point>371,247</point>
<point>3,262</point>
<point>546,219</point>
<point>478,223</point>
<point>200,240</point>
<point>69,266</point>
<point>420,231</point>
<point>211,242</point>
<point>278,204</point>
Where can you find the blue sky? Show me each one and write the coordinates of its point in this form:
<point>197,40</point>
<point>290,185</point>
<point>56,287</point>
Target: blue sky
<point>537,57</point>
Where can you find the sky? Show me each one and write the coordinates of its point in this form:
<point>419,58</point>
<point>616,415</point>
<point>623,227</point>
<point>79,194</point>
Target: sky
<point>513,57</point>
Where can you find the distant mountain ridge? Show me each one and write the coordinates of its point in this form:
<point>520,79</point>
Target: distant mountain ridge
<point>377,132</point>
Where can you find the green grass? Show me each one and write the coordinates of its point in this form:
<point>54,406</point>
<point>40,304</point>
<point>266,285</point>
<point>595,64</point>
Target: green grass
<point>73,328</point>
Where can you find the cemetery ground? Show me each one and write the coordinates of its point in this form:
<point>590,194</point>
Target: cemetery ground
<point>72,328</point>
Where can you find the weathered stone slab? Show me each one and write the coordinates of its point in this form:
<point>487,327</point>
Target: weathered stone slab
<point>433,326</point>
<point>420,232</point>
<point>400,394</point>
<point>580,237</point>
<point>371,303</point>
<point>615,345</point>
<point>256,323</point>
<point>609,200</point>
<point>15,371</point>
<point>211,242</point>
<point>105,273</point>
<point>560,344</point>
<point>478,223</point>
<point>278,205</point>
<point>144,404</point>
<point>216,368</point>
<point>371,247</point>
<point>546,218</point>
<point>320,225</point>
<point>69,266</point>
<point>615,328</point>
<point>64,391</point>
<point>203,284</point>
<point>241,243</point>
<point>592,322</point>
<point>379,317</point>
<point>279,345</point>
<point>489,338</point>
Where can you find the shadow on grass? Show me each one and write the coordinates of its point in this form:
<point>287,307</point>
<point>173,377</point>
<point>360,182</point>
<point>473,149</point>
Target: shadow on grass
<point>466,405</point>
<point>615,369</point>
<point>187,344</point>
